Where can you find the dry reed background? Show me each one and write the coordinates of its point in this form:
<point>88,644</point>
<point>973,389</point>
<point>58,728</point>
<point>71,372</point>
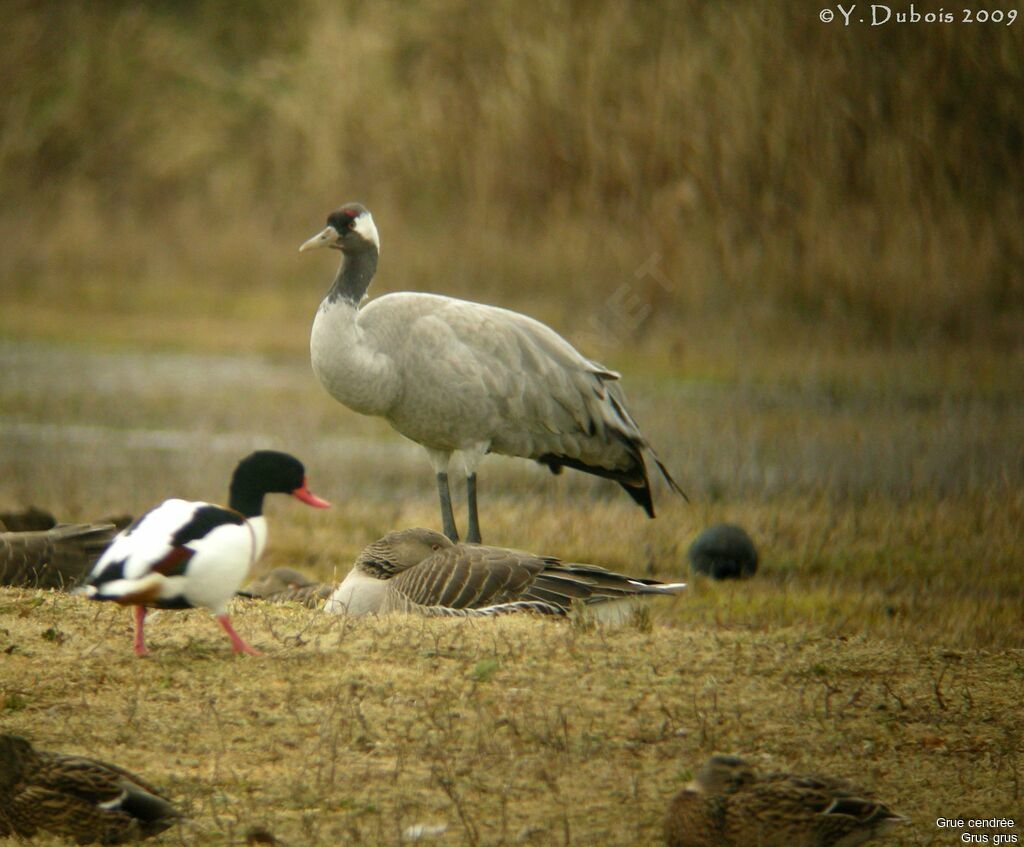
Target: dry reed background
<point>783,170</point>
<point>800,243</point>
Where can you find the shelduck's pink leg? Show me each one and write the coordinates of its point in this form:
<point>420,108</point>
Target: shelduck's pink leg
<point>237,644</point>
<point>140,639</point>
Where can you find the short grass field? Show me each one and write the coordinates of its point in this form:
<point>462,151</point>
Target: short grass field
<point>881,641</point>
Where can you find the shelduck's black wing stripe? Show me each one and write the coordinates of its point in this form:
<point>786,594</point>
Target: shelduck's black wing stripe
<point>178,602</point>
<point>205,520</point>
<point>113,570</point>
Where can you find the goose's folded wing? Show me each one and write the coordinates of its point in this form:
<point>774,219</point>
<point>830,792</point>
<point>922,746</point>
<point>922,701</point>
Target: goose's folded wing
<point>54,558</point>
<point>563,583</point>
<point>468,577</point>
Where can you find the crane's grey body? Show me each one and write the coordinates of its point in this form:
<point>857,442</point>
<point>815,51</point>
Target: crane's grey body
<point>453,375</point>
<point>467,379</point>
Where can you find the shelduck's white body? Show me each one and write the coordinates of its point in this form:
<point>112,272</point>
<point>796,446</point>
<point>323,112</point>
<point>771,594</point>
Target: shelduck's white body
<point>205,571</point>
<point>184,554</point>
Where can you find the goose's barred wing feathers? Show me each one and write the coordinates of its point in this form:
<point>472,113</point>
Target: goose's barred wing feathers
<point>467,577</point>
<point>53,558</point>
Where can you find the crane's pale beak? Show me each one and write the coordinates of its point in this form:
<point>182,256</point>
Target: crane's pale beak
<point>326,238</point>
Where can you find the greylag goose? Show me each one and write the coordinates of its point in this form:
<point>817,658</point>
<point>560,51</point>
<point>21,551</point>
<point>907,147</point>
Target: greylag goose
<point>465,379</point>
<point>184,554</point>
<point>419,570</point>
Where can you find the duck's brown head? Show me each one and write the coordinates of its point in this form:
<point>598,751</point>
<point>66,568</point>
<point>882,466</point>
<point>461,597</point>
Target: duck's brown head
<point>16,754</point>
<point>724,775</point>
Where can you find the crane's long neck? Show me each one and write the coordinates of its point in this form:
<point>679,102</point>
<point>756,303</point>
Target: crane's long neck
<point>354,276</point>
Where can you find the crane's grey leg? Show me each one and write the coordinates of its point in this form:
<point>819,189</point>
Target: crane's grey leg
<point>447,516</point>
<point>439,460</point>
<point>469,457</point>
<point>473,536</point>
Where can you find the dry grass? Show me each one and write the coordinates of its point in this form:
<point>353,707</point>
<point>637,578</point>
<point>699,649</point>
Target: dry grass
<point>886,495</point>
<point>882,639</point>
<point>781,172</point>
<point>515,731</point>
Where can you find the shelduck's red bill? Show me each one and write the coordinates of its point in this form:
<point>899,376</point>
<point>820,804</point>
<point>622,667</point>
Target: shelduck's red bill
<point>306,496</point>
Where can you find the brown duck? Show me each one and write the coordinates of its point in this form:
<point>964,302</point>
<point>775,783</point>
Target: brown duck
<point>729,805</point>
<point>82,799</point>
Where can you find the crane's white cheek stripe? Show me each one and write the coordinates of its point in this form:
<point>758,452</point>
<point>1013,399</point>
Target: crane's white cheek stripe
<point>365,226</point>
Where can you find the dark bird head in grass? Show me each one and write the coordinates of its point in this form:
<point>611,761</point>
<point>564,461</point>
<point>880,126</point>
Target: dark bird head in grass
<point>16,755</point>
<point>350,229</point>
<point>724,775</point>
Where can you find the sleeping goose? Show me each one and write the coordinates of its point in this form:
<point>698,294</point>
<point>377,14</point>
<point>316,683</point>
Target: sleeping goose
<point>465,379</point>
<point>183,554</point>
<point>75,797</point>
<point>729,805</point>
<point>419,570</point>
<point>52,558</point>
<point>287,585</point>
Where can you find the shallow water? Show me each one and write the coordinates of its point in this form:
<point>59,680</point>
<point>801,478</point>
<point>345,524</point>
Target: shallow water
<point>96,430</point>
<point>74,422</point>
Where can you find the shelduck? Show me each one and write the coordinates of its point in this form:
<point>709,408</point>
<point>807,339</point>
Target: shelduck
<point>185,554</point>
